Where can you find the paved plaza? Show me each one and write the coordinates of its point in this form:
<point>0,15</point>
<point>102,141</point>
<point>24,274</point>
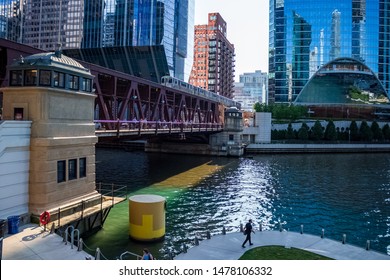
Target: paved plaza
<point>228,247</point>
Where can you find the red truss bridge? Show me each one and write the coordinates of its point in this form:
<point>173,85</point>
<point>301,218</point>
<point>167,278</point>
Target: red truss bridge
<point>129,105</point>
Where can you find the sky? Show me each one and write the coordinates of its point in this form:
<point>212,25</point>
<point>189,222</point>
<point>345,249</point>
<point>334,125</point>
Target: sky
<point>247,29</point>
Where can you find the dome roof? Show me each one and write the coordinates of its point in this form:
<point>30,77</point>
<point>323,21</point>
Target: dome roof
<point>343,81</point>
<point>53,59</point>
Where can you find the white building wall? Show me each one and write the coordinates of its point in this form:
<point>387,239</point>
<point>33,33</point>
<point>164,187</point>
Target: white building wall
<point>260,132</point>
<point>14,167</point>
<point>264,122</point>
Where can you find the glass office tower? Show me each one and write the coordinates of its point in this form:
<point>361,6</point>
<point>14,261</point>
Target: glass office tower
<point>305,35</point>
<point>10,20</point>
<point>93,24</point>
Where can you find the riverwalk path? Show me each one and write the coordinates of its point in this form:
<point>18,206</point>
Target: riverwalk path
<point>33,243</point>
<point>228,247</point>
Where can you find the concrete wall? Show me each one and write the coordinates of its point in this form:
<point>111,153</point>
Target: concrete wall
<point>260,132</point>
<point>317,148</point>
<point>14,167</point>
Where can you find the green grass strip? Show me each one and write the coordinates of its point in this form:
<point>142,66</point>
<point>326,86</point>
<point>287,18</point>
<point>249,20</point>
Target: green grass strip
<point>280,253</point>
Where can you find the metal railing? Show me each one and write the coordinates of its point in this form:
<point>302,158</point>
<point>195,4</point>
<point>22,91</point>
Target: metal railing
<point>199,237</point>
<point>156,127</point>
<point>112,190</point>
<point>79,210</point>
<point>72,236</point>
<point>98,255</point>
<point>138,257</point>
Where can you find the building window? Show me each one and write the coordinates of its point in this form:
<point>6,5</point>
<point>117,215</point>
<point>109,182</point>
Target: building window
<point>44,77</point>
<point>16,78</point>
<point>231,137</point>
<point>59,79</point>
<point>61,171</point>
<point>72,169</point>
<point>30,77</point>
<point>86,85</point>
<point>82,167</point>
<point>18,114</point>
<point>73,82</point>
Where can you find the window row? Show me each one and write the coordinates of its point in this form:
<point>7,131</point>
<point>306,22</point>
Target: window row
<point>71,169</point>
<point>34,77</point>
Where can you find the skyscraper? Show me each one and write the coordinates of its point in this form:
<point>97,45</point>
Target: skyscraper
<point>10,19</point>
<point>305,32</point>
<point>48,25</point>
<point>213,66</point>
<point>300,70</point>
<point>252,88</point>
<point>93,24</point>
<point>335,40</point>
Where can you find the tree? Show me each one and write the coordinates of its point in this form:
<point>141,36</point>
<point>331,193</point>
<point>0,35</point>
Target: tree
<point>386,131</point>
<point>257,107</point>
<point>303,132</point>
<point>290,132</point>
<point>278,134</point>
<point>278,112</point>
<point>353,131</point>
<point>330,131</point>
<point>274,134</point>
<point>317,131</point>
<point>261,107</point>
<point>342,134</point>
<point>282,111</point>
<point>377,133</point>
<point>365,131</point>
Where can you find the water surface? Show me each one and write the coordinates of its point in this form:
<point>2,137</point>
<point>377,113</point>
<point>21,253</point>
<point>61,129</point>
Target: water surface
<point>341,193</point>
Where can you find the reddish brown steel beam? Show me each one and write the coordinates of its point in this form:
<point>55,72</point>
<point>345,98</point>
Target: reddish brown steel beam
<point>123,96</point>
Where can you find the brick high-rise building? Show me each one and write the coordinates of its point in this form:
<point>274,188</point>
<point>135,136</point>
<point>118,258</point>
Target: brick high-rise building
<point>213,66</point>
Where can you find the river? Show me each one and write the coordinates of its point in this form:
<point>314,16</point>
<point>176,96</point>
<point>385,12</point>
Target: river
<point>340,193</point>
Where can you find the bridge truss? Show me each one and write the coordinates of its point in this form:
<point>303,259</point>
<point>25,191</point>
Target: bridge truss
<point>128,98</point>
<point>123,97</point>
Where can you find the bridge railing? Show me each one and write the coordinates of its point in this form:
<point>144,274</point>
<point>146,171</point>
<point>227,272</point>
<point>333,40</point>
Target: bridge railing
<point>156,126</point>
<point>112,190</point>
<point>74,211</point>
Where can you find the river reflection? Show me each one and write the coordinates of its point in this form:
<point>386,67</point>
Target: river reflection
<point>342,193</point>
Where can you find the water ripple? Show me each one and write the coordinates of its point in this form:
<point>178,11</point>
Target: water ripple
<point>342,194</point>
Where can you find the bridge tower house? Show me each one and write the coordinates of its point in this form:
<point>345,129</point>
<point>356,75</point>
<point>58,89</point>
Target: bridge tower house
<point>229,142</point>
<point>55,93</point>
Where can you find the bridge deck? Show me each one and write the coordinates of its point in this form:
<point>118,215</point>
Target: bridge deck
<point>133,130</point>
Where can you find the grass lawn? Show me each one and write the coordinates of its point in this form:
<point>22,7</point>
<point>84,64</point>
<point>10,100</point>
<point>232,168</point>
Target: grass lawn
<point>280,253</point>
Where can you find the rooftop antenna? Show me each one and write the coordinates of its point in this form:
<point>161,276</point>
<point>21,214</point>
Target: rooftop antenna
<point>58,51</point>
<point>59,45</point>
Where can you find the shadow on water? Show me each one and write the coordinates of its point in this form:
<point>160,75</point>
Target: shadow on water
<point>148,173</point>
<point>139,169</point>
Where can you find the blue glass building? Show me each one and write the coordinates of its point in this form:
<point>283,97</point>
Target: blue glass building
<point>140,23</point>
<point>157,31</point>
<point>305,35</point>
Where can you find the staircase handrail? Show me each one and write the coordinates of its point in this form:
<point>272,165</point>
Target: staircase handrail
<point>130,253</point>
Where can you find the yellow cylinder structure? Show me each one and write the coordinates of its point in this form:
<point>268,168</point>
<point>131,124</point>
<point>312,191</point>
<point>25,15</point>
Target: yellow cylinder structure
<point>146,217</point>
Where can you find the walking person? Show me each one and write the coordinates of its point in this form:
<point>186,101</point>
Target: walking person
<point>248,231</point>
<point>147,255</point>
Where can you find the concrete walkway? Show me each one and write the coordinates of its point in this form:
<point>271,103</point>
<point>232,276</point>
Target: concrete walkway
<point>228,247</point>
<point>32,243</point>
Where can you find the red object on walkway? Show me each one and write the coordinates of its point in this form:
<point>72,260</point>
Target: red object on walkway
<point>44,218</point>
